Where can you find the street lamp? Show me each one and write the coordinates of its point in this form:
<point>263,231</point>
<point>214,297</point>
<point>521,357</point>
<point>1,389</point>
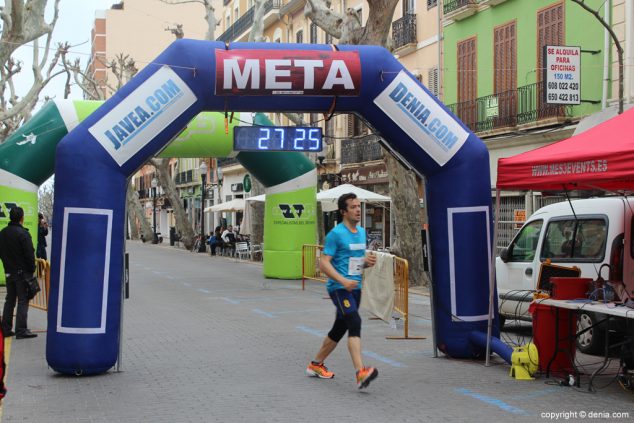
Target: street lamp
<point>219,187</point>
<point>154,184</point>
<point>203,177</point>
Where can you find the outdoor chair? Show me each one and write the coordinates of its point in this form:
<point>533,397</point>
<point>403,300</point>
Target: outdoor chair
<point>256,251</point>
<point>242,250</point>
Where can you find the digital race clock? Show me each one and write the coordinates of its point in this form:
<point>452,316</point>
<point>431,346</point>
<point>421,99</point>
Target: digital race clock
<point>277,138</point>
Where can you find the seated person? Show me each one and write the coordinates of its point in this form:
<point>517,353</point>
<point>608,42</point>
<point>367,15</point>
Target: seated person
<point>215,240</point>
<point>229,239</point>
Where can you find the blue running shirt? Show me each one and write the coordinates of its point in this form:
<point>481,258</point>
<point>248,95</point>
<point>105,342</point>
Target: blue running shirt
<point>347,250</point>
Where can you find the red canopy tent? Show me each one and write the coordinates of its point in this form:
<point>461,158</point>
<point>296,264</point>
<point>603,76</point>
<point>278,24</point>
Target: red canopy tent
<point>599,158</point>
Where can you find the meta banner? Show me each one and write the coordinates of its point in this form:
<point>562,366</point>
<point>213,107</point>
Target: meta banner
<point>287,72</point>
<point>424,120</point>
<point>134,122</point>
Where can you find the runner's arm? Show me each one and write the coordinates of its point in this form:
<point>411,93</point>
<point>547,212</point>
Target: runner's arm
<point>326,266</point>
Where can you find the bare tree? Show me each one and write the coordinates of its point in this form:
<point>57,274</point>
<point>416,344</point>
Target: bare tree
<point>136,214</point>
<point>617,44</point>
<point>183,225</point>
<point>177,30</point>
<point>210,16</point>
<point>402,182</point>
<point>45,200</point>
<point>23,22</point>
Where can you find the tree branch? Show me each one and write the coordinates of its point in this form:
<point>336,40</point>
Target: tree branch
<point>619,48</point>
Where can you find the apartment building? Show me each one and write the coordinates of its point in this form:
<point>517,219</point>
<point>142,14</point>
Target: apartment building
<point>483,58</point>
<point>351,153</point>
<point>141,30</point>
<point>494,81</point>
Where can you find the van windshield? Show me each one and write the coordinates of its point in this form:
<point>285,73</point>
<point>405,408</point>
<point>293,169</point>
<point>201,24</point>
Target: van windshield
<point>570,239</point>
<point>525,243</point>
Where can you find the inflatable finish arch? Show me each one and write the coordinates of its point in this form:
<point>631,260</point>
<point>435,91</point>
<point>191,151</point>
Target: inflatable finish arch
<point>191,76</point>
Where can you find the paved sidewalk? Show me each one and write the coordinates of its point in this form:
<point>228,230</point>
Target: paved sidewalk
<point>208,339</point>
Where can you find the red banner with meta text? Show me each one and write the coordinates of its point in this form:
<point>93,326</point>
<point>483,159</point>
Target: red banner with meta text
<point>284,72</point>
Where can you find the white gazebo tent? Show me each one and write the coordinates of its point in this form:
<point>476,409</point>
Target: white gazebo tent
<point>245,227</point>
<point>329,197</point>
<point>236,204</point>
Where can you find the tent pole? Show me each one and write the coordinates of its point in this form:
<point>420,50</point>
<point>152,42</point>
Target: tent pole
<point>492,274</point>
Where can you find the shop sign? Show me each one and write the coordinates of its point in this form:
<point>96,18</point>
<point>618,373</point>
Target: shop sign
<point>364,175</point>
<point>246,183</point>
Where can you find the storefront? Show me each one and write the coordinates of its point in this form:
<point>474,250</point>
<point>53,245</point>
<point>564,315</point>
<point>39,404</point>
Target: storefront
<point>376,216</point>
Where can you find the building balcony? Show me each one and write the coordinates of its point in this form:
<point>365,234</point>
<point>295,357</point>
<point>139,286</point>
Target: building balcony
<point>228,161</point>
<point>459,9</point>
<point>245,22</point>
<point>292,6</point>
<point>404,34</point>
<point>523,107</point>
<point>491,2</point>
<point>360,150</point>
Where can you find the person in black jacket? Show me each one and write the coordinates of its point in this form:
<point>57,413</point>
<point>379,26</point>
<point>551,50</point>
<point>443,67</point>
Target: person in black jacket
<point>42,231</point>
<point>18,257</point>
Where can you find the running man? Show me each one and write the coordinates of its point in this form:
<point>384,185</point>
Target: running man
<point>343,260</point>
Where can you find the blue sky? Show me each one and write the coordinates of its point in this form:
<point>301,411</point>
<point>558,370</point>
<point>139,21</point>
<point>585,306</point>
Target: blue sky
<point>74,24</point>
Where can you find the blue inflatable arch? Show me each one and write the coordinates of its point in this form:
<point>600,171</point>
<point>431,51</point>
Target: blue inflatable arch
<point>194,76</point>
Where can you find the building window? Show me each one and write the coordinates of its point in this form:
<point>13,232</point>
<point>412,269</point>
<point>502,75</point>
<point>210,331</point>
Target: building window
<point>313,33</point>
<point>505,72</point>
<point>432,80</point>
<point>356,126</point>
<point>227,22</point>
<point>409,7</point>
<point>299,37</point>
<point>467,81</point>
<point>328,38</point>
<point>277,35</point>
<point>550,31</point>
<point>431,3</point>
<point>236,14</point>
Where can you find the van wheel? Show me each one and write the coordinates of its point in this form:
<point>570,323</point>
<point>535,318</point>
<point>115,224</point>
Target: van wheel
<point>591,341</point>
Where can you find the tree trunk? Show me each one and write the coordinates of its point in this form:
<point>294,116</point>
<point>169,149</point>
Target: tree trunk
<point>406,210</point>
<point>183,225</point>
<point>135,212</point>
<point>257,213</point>
<point>402,183</point>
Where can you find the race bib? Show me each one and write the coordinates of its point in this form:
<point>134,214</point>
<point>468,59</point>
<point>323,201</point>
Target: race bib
<point>355,266</point>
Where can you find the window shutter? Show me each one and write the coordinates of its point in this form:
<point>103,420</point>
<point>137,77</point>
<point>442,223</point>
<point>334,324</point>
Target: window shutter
<point>467,82</point>
<point>505,58</point>
<point>432,80</point>
<point>550,31</point>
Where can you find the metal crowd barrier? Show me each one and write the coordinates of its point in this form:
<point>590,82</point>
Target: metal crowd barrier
<point>401,296</point>
<point>43,272</point>
<point>310,270</point>
<point>310,264</point>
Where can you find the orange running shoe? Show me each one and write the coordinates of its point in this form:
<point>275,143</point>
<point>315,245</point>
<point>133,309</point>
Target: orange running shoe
<point>319,370</point>
<point>365,376</point>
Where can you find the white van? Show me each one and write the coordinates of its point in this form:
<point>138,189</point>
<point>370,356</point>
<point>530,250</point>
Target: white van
<point>587,233</point>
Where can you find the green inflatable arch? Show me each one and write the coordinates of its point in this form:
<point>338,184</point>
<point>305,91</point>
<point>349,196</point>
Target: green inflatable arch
<point>289,178</point>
